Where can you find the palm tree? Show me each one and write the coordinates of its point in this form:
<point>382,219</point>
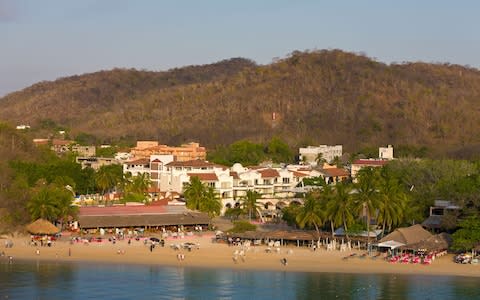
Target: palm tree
<point>319,159</point>
<point>340,206</point>
<point>311,212</point>
<point>211,203</point>
<point>249,202</point>
<point>337,161</point>
<point>194,192</point>
<point>140,183</point>
<point>43,205</point>
<point>392,202</point>
<point>107,178</point>
<point>367,197</point>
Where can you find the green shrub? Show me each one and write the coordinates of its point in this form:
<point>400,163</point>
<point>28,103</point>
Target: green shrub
<point>242,226</point>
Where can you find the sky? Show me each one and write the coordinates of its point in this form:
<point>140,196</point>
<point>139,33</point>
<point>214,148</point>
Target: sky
<point>49,39</point>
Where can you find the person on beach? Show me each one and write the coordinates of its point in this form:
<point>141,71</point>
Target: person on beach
<point>284,261</point>
<point>69,251</point>
<point>37,252</point>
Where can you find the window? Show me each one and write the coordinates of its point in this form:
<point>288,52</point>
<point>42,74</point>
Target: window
<point>286,180</point>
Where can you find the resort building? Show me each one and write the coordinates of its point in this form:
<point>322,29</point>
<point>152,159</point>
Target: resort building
<point>186,152</point>
<point>310,154</point>
<point>276,186</point>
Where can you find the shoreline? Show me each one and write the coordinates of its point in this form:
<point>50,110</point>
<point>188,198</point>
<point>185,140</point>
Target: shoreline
<point>221,256</point>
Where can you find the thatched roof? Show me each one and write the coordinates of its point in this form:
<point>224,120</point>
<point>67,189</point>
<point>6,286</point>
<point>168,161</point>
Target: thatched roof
<point>436,242</point>
<point>42,226</point>
<point>119,221</point>
<point>408,235</point>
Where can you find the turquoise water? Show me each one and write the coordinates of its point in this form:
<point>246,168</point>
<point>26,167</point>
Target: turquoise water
<point>53,280</point>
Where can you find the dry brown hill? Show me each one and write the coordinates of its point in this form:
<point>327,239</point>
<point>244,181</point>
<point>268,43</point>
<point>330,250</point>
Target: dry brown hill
<point>308,97</point>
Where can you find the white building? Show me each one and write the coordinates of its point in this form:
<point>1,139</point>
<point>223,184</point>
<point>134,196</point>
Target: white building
<point>385,152</point>
<point>276,186</point>
<point>309,155</point>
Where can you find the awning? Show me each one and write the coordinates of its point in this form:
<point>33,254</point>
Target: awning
<point>390,244</point>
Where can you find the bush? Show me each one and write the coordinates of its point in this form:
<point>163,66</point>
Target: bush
<point>242,226</point>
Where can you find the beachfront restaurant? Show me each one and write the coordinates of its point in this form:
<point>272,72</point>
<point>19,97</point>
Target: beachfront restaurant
<point>92,219</point>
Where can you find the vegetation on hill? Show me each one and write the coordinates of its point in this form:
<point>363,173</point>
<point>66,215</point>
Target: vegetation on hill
<point>312,97</point>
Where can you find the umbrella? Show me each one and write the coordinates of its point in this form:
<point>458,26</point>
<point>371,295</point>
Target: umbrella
<point>42,226</point>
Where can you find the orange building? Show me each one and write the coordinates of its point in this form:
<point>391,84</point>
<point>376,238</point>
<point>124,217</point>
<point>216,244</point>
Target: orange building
<point>186,152</point>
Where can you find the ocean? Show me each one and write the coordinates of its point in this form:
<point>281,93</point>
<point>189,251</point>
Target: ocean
<point>60,280</point>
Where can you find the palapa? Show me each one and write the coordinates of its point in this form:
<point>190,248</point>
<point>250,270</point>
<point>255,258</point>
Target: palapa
<point>408,235</point>
<point>42,226</point>
<point>436,242</point>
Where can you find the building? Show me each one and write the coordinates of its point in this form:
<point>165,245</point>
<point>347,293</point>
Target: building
<point>275,185</point>
<point>85,151</point>
<point>95,162</point>
<point>310,154</point>
<point>358,164</point>
<point>147,217</point>
<point>186,152</point>
<point>332,174</point>
<point>438,211</point>
<point>385,152</point>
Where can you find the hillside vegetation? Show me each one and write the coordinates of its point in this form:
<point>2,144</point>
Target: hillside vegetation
<point>319,97</point>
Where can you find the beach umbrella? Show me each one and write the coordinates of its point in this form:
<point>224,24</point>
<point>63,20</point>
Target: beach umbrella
<point>42,226</point>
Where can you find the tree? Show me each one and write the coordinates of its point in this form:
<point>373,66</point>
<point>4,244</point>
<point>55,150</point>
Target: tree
<point>202,198</point>
<point>249,202</point>
<point>367,198</point>
<point>392,201</point>
<point>108,177</point>
<point>193,192</point>
<point>468,236</point>
<point>311,212</point>
<point>279,151</point>
<point>340,206</point>
<point>43,205</point>
<point>51,203</point>
<point>319,159</point>
<point>211,203</point>
<point>337,161</point>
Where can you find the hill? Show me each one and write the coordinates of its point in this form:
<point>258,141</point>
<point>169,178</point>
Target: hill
<point>313,97</point>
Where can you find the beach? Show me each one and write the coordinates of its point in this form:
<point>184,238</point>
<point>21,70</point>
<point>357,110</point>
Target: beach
<point>220,255</point>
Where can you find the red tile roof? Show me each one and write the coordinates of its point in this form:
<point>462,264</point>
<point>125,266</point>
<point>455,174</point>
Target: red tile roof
<point>234,175</point>
<point>269,173</point>
<point>299,174</point>
<point>204,176</point>
<point>142,161</point>
<point>335,172</point>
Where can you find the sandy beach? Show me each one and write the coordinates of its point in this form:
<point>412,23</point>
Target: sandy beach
<point>219,255</point>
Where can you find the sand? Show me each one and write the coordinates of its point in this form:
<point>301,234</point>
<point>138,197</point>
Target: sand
<point>216,255</point>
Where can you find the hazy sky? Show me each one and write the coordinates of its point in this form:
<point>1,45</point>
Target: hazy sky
<point>47,39</point>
